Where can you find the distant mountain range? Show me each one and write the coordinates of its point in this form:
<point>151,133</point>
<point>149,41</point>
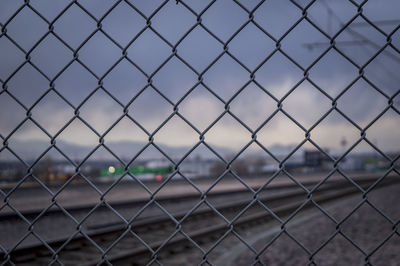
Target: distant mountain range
<point>29,150</point>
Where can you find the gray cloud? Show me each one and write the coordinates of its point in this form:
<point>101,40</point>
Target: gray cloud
<point>278,75</point>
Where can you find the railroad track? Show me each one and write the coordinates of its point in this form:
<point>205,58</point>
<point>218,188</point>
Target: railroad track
<point>121,243</point>
<point>32,213</point>
<point>172,199</point>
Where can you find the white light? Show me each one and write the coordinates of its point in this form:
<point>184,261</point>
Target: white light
<point>111,169</point>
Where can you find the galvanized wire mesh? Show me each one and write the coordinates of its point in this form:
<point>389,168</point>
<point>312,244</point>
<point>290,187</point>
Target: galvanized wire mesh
<point>202,140</point>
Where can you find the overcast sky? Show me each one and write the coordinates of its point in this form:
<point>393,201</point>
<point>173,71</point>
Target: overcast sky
<point>304,44</point>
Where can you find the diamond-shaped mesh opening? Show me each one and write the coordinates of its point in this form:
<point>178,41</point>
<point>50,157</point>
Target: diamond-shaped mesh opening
<point>101,103</point>
<point>75,83</point>
<point>59,118</point>
<point>278,75</point>
<point>376,200</point>
<point>218,135</point>
<point>339,244</point>
<point>330,66</point>
<point>47,62</point>
<point>251,46</point>
<point>73,17</point>
<point>343,185</point>
<point>68,139</point>
<point>149,58</point>
<point>28,96</point>
<point>385,14</point>
<point>201,167</point>
<point>230,78</point>
<point>268,135</point>
<point>380,75</point>
<point>362,118</point>
<point>203,58</point>
<point>80,179</point>
<point>299,182</point>
<point>338,131</point>
<point>26,28</point>
<point>174,80</point>
<point>327,15</point>
<point>20,147</point>
<point>293,44</point>
<point>270,256</point>
<point>322,224</point>
<point>126,139</point>
<point>199,132</point>
<point>364,53</point>
<point>179,181</point>
<point>42,194</point>
<point>359,234</point>
<point>89,53</point>
<point>173,28</point>
<point>201,103</point>
<point>123,23</point>
<point>252,105</point>
<point>306,104</point>
<point>224,28</point>
<point>276,12</point>
<point>178,133</point>
<point>251,162</point>
<point>124,81</point>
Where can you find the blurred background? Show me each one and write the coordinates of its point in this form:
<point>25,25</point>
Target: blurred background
<point>108,77</point>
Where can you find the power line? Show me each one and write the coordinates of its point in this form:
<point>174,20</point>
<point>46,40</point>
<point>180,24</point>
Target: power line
<point>376,22</point>
<point>362,40</point>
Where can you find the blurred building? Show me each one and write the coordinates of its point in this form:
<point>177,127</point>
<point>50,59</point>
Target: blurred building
<point>193,168</point>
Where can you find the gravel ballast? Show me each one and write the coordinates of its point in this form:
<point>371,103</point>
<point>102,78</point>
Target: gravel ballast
<point>361,241</point>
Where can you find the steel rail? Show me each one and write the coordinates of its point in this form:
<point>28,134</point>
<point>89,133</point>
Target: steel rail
<point>284,204</point>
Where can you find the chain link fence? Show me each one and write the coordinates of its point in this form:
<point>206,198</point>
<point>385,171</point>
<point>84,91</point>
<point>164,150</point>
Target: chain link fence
<point>174,39</point>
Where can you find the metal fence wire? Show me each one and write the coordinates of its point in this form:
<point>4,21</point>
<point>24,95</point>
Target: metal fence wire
<point>198,12</point>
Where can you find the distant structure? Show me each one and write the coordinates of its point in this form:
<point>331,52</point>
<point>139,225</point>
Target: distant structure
<point>343,143</point>
<point>313,158</point>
